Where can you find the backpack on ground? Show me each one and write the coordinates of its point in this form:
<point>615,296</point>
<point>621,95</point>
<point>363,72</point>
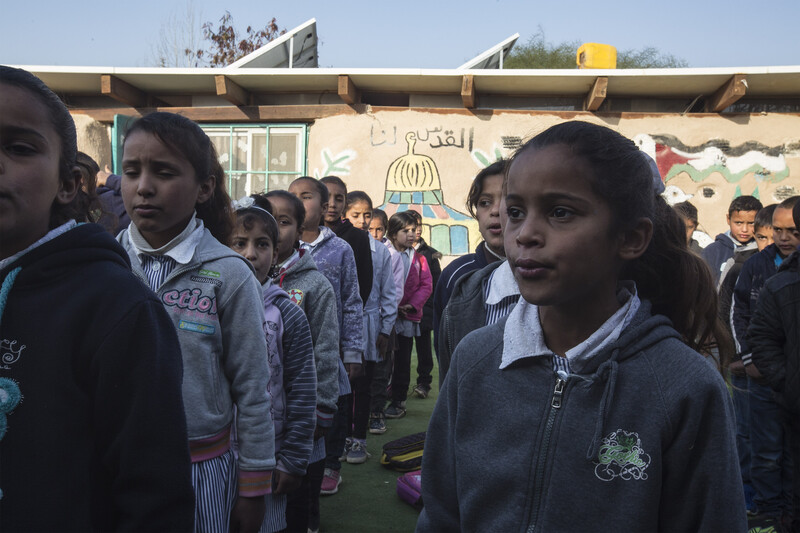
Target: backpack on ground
<point>404,454</point>
<point>409,488</point>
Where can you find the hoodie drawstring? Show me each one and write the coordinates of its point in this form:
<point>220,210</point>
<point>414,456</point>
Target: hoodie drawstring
<point>6,288</point>
<point>609,367</point>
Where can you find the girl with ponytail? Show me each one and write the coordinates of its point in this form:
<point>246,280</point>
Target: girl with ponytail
<point>592,387</point>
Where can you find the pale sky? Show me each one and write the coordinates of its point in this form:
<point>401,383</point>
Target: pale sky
<point>410,34</point>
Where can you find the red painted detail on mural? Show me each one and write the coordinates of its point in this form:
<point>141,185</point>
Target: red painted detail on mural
<point>666,158</point>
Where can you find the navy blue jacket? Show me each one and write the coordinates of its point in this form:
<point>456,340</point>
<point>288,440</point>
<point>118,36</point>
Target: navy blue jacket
<point>444,288</point>
<point>718,252</point>
<point>755,272</point>
<point>98,442</point>
<point>774,333</point>
<point>114,217</point>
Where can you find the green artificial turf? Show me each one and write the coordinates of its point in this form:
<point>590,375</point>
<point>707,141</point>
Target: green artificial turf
<point>367,500</point>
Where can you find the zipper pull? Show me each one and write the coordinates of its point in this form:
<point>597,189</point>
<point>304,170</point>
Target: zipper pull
<point>558,393</point>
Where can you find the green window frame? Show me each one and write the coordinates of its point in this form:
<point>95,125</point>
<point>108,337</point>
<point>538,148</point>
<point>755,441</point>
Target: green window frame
<point>260,157</point>
<point>265,156</point>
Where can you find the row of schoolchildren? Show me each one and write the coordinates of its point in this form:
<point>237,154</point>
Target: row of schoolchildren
<point>581,355</point>
<point>167,381</point>
<point>761,242</point>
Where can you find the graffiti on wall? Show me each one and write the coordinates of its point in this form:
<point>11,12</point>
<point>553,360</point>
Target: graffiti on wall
<point>436,137</point>
<point>336,165</point>
<point>766,164</point>
<point>413,183</point>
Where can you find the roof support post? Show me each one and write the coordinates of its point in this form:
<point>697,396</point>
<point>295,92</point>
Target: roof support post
<point>231,91</point>
<point>729,93</point>
<point>348,91</point>
<point>468,91</point>
<point>596,95</point>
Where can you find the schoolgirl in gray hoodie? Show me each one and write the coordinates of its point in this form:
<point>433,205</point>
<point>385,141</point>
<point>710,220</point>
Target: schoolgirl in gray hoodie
<point>588,408</point>
<point>173,189</point>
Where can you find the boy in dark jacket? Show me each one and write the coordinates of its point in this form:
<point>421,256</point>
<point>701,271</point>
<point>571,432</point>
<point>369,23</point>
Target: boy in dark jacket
<point>774,336</point>
<point>741,219</point>
<point>423,342</point>
<point>769,476</point>
<point>738,377</point>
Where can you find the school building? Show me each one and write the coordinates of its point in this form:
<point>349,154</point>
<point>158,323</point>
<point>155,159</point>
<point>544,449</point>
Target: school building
<point>417,137</point>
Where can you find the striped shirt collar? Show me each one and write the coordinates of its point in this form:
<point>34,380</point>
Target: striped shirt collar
<point>181,248</point>
<point>501,284</point>
<point>523,336</point>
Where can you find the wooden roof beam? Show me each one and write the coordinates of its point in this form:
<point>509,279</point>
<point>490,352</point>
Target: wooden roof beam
<point>348,91</point>
<point>729,93</point>
<point>468,91</point>
<point>124,92</point>
<point>231,91</point>
<point>596,95</point>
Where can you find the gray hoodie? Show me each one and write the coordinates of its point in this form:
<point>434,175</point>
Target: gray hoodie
<point>216,305</point>
<point>312,291</point>
<point>642,440</point>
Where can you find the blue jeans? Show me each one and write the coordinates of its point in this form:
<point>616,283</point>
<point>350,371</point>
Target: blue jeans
<point>770,462</point>
<point>741,407</point>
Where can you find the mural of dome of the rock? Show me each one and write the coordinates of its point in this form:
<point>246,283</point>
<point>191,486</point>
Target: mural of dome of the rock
<point>412,182</point>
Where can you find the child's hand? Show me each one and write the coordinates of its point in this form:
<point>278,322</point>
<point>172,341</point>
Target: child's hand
<point>248,514</point>
<point>382,344</point>
<point>753,372</point>
<point>285,483</point>
<point>353,370</point>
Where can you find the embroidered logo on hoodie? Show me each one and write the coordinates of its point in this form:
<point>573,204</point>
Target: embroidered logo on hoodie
<point>9,353</point>
<point>296,295</point>
<point>622,456</point>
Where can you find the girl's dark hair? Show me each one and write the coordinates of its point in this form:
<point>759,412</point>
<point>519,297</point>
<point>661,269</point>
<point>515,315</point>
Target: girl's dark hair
<point>78,208</point>
<point>87,200</point>
<point>399,221</point>
<point>336,180</point>
<point>417,215</point>
<point>324,196</point>
<point>381,214</point>
<point>297,205</point>
<point>475,190</point>
<point>687,210</point>
<point>190,141</point>
<point>677,282</point>
<point>247,217</point>
<point>357,196</point>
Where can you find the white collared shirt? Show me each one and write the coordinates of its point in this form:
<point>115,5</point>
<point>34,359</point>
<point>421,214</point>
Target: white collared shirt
<point>523,336</point>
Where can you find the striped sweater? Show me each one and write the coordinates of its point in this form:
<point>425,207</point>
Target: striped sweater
<point>293,382</point>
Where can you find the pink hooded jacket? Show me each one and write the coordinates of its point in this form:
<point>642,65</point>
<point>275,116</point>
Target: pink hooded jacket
<point>418,287</point>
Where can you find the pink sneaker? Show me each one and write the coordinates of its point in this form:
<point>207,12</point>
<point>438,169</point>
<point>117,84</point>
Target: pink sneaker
<point>330,482</point>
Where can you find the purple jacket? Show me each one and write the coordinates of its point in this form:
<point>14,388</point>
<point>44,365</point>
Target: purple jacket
<point>335,260</point>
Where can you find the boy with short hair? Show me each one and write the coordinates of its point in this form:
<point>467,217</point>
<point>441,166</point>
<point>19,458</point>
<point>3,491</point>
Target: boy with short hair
<point>774,336</point>
<point>741,219</point>
<point>688,214</point>
<point>738,377</point>
<point>768,472</point>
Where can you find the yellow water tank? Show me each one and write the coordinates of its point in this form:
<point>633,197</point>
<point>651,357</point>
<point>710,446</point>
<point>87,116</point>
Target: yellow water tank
<point>596,55</point>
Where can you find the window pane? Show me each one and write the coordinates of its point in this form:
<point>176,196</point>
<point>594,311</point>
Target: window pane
<point>241,150</point>
<point>283,148</point>
<point>258,183</point>
<point>222,144</point>
<point>258,152</point>
<point>281,181</point>
<point>238,183</point>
